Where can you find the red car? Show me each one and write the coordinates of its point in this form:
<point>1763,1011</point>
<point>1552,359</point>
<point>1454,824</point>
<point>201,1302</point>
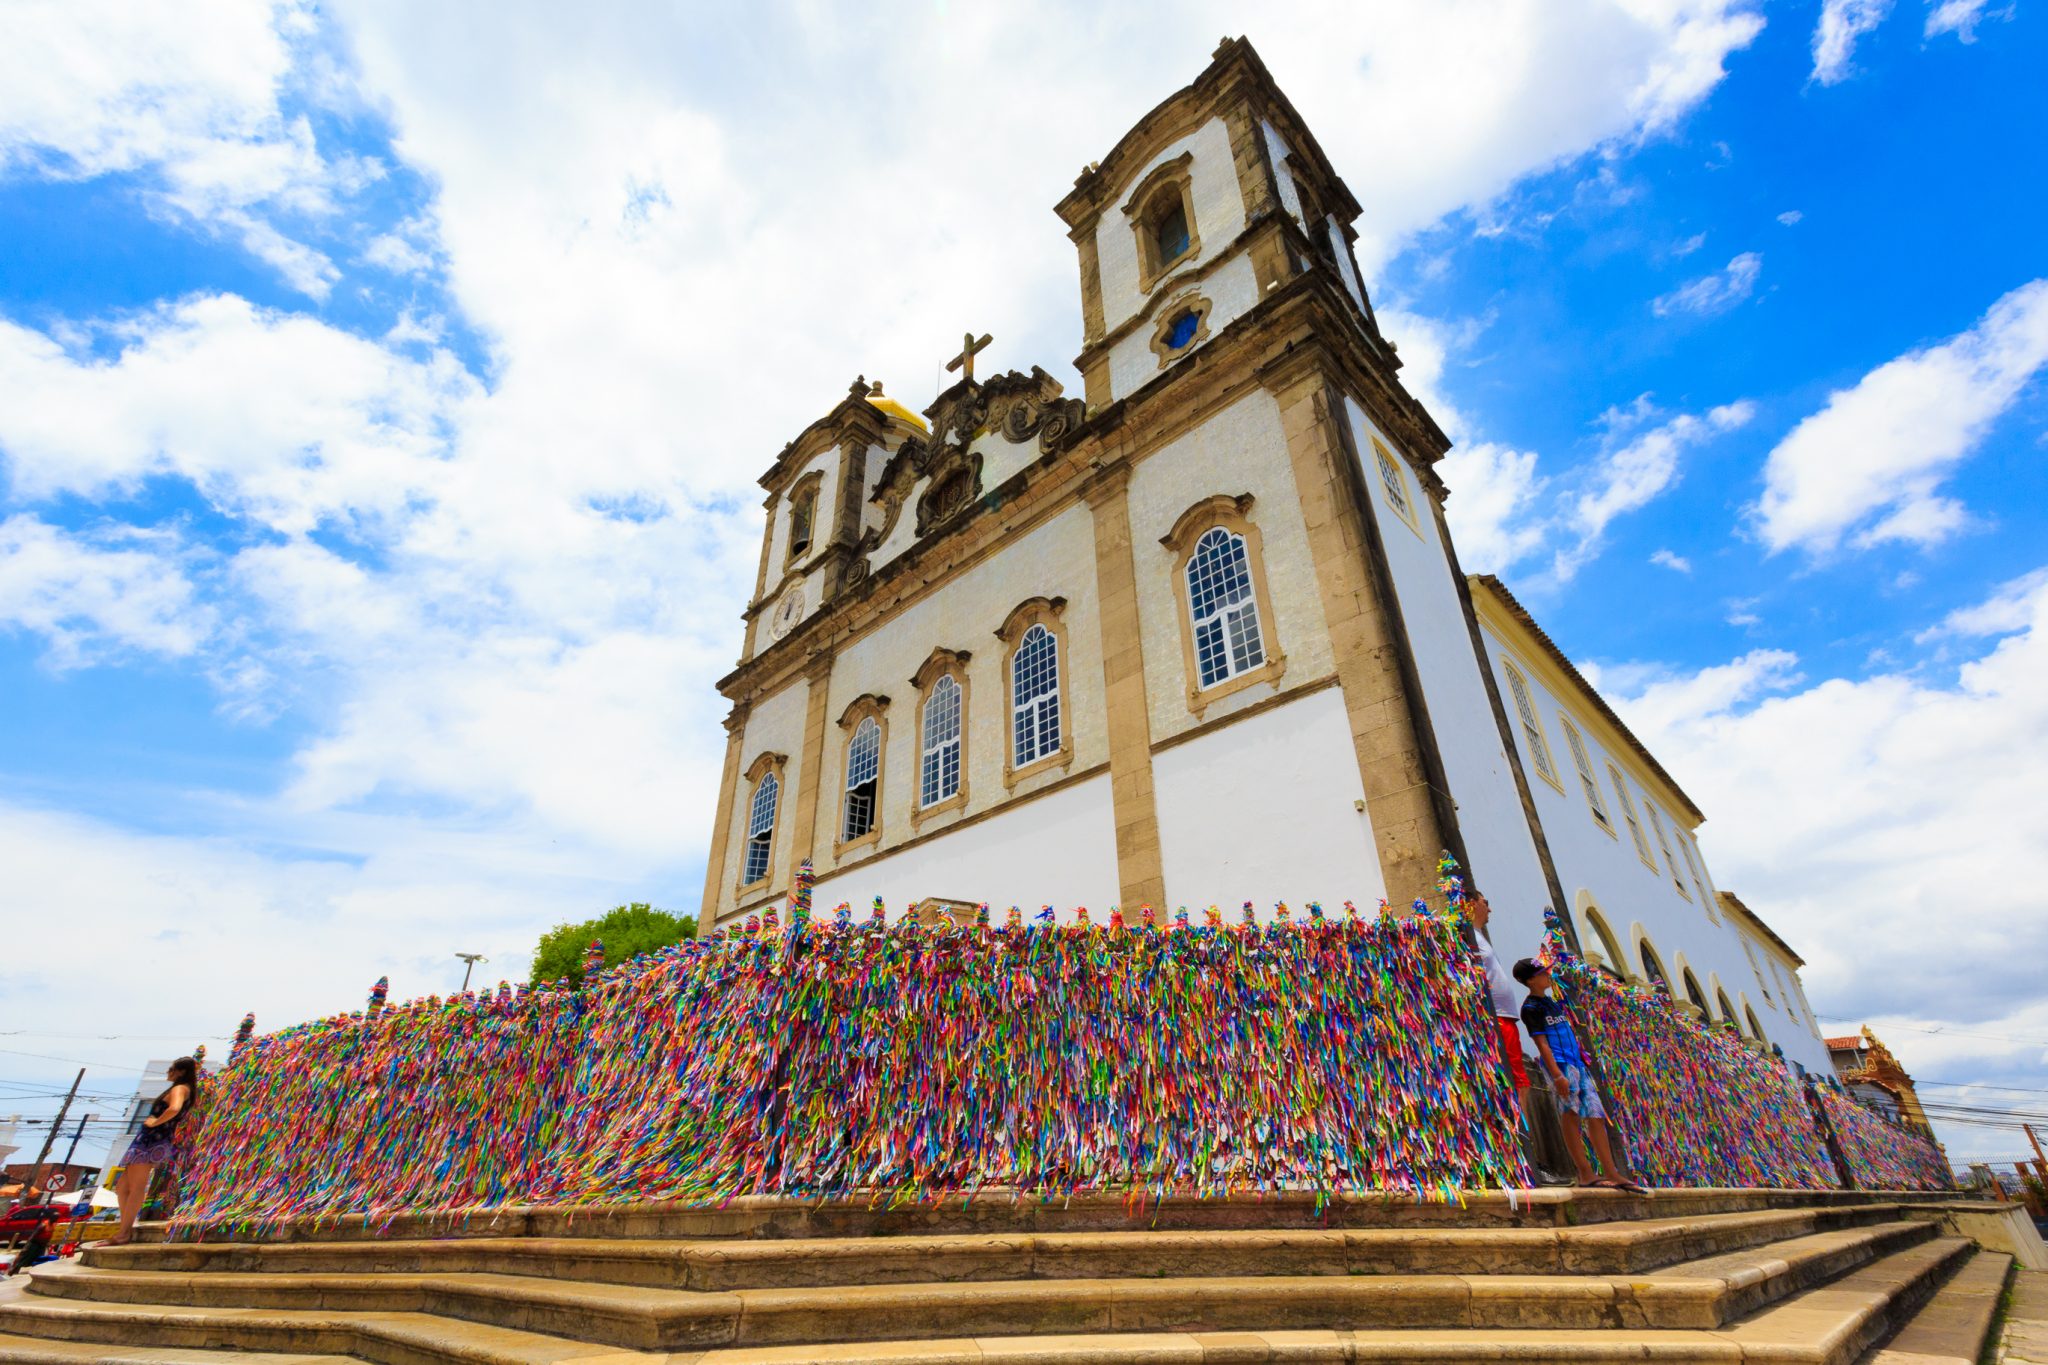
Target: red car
<point>28,1217</point>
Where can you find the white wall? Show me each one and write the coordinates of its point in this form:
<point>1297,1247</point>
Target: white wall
<point>1219,217</point>
<point>1057,850</point>
<point>1231,289</point>
<point>1636,901</point>
<point>774,725</point>
<point>1490,815</point>
<point>1265,809</point>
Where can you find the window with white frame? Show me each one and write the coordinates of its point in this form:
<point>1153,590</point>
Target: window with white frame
<point>863,774</point>
<point>1035,697</point>
<point>1657,825</point>
<point>761,829</point>
<point>1223,608</point>
<point>1532,729</point>
<point>939,767</point>
<point>1628,812</point>
<point>1583,761</point>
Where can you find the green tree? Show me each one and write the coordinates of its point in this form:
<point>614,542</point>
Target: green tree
<point>627,931</point>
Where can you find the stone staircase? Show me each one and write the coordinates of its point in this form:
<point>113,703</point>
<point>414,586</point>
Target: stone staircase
<point>1697,1275</point>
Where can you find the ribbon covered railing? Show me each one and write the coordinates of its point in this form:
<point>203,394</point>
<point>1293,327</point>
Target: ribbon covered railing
<point>828,1060</point>
<point>1695,1106</point>
<point>1879,1154</point>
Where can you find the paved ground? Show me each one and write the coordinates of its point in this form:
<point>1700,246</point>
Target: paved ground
<point>2026,1326</point>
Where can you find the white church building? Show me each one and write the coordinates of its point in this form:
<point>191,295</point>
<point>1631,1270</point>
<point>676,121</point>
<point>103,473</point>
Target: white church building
<point>1199,636</point>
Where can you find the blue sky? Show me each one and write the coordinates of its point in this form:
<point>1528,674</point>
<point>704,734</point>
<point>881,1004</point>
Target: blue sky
<point>382,389</point>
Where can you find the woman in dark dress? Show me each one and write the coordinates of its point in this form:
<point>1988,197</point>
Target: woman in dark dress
<point>152,1146</point>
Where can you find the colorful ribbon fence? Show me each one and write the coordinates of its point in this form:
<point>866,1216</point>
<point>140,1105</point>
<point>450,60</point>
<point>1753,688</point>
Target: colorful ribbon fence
<point>827,1060</point>
<point>1877,1153</point>
<point>1694,1105</point>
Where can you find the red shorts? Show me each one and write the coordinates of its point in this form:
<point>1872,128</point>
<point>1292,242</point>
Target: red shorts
<point>1511,1049</point>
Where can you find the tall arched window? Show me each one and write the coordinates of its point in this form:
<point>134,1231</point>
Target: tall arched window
<point>1653,967</point>
<point>761,828</point>
<point>1228,630</point>
<point>1161,213</point>
<point>757,850</point>
<point>939,765</point>
<point>1695,994</point>
<point>1617,961</point>
<point>1756,1030</point>
<point>1035,698</point>
<point>1223,609</point>
<point>860,818</point>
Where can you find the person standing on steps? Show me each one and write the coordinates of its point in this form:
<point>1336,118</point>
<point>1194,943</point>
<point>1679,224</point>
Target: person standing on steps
<point>1578,1099</point>
<point>1507,1011</point>
<point>152,1146</point>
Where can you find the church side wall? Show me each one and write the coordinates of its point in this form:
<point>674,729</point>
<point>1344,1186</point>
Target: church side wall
<point>1241,449</point>
<point>1058,850</point>
<point>1265,809</point>
<point>1231,289</point>
<point>1054,560</point>
<point>774,725</point>
<point>1490,814</point>
<point>1603,870</point>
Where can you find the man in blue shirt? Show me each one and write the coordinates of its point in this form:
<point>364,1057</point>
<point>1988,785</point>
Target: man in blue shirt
<point>1578,1099</point>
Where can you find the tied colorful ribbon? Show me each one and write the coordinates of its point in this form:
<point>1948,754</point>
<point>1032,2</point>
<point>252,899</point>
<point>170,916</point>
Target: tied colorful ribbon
<point>1880,1154</point>
<point>1694,1106</point>
<point>825,1060</point>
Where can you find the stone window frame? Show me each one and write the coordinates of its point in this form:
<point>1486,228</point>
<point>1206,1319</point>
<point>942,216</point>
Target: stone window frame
<point>941,663</point>
<point>764,765</point>
<point>1169,183</point>
<point>1395,486</point>
<point>1594,918</point>
<point>1234,515</point>
<point>1049,612</point>
<point>866,706</point>
<point>803,493</point>
<point>1189,303</point>
<point>1635,822</point>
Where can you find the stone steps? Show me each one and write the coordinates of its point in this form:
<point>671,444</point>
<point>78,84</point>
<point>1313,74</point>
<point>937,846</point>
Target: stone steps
<point>1954,1326</point>
<point>1828,1325</point>
<point>1607,1248</point>
<point>287,1311</point>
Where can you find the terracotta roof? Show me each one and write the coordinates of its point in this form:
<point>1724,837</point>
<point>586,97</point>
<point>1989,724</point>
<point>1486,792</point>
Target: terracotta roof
<point>1527,622</point>
<point>1849,1044</point>
<point>1732,902</point>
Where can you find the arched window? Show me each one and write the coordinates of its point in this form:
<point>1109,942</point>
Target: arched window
<point>939,765</point>
<point>1617,961</point>
<point>1161,213</point>
<point>1170,235</point>
<point>1223,609</point>
<point>802,513</point>
<point>761,828</point>
<point>1756,1030</point>
<point>1727,1009</point>
<point>1653,967</point>
<point>1035,698</point>
<point>860,818</point>
<point>1695,994</point>
<point>757,851</point>
<point>1228,636</point>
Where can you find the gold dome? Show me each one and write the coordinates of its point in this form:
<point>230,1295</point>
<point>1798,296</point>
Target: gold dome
<point>889,407</point>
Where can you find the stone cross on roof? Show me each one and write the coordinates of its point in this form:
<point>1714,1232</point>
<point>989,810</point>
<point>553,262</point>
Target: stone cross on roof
<point>969,348</point>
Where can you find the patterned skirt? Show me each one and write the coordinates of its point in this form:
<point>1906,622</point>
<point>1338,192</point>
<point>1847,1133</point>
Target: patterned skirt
<point>152,1145</point>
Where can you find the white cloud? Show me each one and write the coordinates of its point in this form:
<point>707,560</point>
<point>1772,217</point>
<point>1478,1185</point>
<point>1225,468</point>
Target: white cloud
<point>1715,293</point>
<point>187,98</point>
<point>1690,244</point>
<point>2007,611</point>
<point>1639,461</point>
<point>1675,562</point>
<point>1891,828</point>
<point>1791,217</point>
<point>1959,17</point>
<point>89,597</point>
<point>1842,22</point>
<point>1869,465</point>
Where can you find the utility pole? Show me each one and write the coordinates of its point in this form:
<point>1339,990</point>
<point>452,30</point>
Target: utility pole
<point>76,1134</point>
<point>469,961</point>
<point>35,1179</point>
<point>2040,1160</point>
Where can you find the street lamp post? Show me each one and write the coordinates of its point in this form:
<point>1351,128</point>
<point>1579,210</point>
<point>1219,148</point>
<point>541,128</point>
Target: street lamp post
<point>469,961</point>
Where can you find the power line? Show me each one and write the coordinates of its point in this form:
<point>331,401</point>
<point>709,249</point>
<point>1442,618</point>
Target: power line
<point>1944,1029</point>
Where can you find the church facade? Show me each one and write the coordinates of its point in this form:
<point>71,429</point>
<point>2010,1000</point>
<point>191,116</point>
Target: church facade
<point>1198,636</point>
